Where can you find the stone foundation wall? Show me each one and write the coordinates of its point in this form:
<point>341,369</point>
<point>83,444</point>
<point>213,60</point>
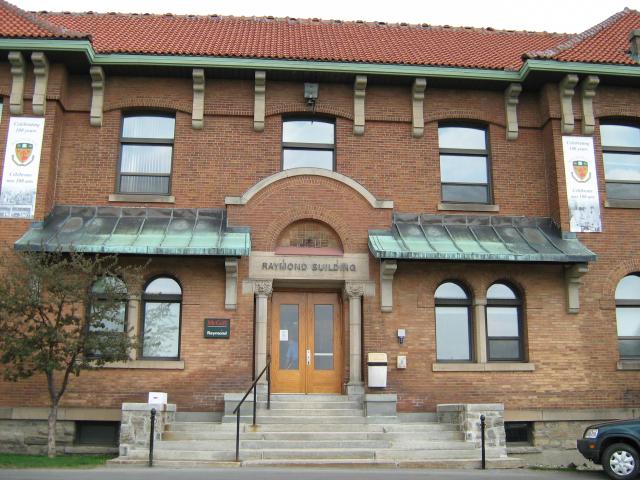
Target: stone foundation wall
<point>135,427</point>
<point>30,436</point>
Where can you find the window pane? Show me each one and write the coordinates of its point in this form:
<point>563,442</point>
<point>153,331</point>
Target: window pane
<point>462,137</point>
<point>113,317</point>
<point>450,290</point>
<point>323,337</point>
<point>502,322</point>
<point>628,288</point>
<point>622,166</point>
<point>623,191</point>
<point>452,333</point>
<point>148,127</point>
<point>504,349</point>
<point>629,348</point>
<point>161,329</point>
<point>463,169</point>
<point>499,291</point>
<point>140,184</point>
<point>628,319</point>
<point>163,285</point>
<point>146,159</point>
<point>307,131</point>
<point>307,158</point>
<point>465,193</point>
<point>109,285</point>
<point>620,135</point>
<point>289,337</point>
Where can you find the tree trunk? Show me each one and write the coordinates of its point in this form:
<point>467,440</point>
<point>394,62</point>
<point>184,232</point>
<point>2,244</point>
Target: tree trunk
<point>53,419</point>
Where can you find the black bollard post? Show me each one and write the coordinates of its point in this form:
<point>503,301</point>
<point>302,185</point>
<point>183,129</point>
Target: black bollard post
<point>482,426</point>
<point>152,435</point>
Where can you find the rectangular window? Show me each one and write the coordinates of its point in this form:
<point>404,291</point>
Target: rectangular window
<point>97,433</point>
<point>464,164</point>
<point>146,154</point>
<point>519,432</point>
<point>308,143</point>
<point>621,157</point>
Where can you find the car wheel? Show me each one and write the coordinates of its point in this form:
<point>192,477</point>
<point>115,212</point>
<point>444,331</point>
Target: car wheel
<point>620,461</point>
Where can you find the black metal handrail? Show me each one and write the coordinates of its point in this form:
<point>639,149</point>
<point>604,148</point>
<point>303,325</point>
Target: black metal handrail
<point>266,369</point>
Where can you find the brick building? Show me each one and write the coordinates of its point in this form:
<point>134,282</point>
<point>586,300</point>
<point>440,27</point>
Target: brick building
<point>334,189</point>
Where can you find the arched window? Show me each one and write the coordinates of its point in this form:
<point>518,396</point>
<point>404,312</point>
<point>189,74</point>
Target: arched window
<point>628,316</point>
<point>108,312</point>
<point>621,156</point>
<point>161,307</point>
<point>453,323</point>
<point>504,324</point>
<point>308,142</point>
<point>464,164</point>
<point>309,237</point>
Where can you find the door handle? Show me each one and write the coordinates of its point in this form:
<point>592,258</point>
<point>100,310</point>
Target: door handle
<point>308,357</point>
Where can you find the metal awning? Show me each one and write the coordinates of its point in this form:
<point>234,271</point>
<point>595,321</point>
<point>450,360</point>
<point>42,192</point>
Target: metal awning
<point>476,238</point>
<point>141,231</point>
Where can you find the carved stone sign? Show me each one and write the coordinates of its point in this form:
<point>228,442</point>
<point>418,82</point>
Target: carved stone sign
<point>268,265</point>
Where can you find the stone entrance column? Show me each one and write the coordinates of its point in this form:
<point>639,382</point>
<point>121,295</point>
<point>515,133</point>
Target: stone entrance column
<point>354,291</point>
<point>262,290</point>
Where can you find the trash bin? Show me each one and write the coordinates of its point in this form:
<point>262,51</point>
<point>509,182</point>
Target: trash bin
<point>377,369</point>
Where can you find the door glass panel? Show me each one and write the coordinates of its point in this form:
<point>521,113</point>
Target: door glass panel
<point>289,327</point>
<point>323,337</point>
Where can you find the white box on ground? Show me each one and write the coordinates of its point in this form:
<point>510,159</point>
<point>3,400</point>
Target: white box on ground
<point>158,398</point>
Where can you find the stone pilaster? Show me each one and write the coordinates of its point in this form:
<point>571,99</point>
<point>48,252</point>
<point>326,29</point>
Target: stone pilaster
<point>262,290</point>
<point>354,291</point>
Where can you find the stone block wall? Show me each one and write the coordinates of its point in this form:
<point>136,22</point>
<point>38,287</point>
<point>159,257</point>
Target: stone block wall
<point>30,436</point>
<point>135,428</point>
<point>467,416</point>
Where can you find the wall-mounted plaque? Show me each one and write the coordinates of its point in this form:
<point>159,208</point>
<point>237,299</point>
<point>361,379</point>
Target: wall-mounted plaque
<point>217,328</point>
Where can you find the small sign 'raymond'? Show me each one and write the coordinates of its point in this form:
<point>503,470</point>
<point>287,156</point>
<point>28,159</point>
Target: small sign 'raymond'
<point>217,328</point>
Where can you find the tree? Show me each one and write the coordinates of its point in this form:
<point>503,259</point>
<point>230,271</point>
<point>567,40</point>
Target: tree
<point>61,313</point>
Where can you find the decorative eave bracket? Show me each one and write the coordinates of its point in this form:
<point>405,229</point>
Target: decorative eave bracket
<point>97,97</point>
<point>359,92</point>
<point>16,100</point>
<point>197,113</point>
<point>588,92</point>
<point>511,101</point>
<point>259,106</point>
<point>41,72</point>
<point>387,271</point>
<point>417,96</point>
<point>231,283</point>
<point>573,279</point>
<point>567,85</point>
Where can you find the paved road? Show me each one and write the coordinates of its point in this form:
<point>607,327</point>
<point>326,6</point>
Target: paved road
<point>293,474</point>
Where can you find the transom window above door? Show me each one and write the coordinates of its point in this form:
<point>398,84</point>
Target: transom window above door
<point>308,143</point>
<point>309,237</point>
<point>464,164</point>
<point>146,154</point>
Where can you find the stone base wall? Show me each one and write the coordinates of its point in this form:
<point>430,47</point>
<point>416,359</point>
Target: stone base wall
<point>31,436</point>
<point>135,428</point>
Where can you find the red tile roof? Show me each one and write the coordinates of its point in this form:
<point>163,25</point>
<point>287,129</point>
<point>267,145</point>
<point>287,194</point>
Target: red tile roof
<point>16,23</point>
<point>607,42</point>
<point>317,40</point>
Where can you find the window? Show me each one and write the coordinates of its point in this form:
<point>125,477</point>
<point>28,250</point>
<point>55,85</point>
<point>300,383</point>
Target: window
<point>146,153</point>
<point>628,316</point>
<point>453,323</point>
<point>621,156</point>
<point>519,432</point>
<point>504,324</point>
<point>98,433</point>
<point>161,309</point>
<point>464,164</point>
<point>108,313</point>
<point>308,143</point>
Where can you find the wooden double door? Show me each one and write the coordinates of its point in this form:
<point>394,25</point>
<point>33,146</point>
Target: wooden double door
<point>306,343</point>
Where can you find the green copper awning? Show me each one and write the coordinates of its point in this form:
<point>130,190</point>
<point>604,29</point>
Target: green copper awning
<point>141,231</point>
<point>476,238</point>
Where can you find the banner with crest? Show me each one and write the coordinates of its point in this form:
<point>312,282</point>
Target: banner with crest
<point>21,167</point>
<point>582,184</point>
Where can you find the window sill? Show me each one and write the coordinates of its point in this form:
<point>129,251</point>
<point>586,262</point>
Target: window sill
<point>622,203</point>
<point>150,364</point>
<point>133,198</point>
<point>484,367</point>
<point>629,365</point>
<point>469,207</point>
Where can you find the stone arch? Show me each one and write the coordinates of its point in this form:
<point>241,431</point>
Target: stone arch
<point>318,172</point>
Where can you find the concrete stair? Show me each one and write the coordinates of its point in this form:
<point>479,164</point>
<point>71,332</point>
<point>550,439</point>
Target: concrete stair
<point>319,430</point>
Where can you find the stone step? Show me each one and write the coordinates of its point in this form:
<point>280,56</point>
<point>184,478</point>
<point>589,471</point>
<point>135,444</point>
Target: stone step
<point>302,420</point>
<point>420,427</point>
<point>192,455</point>
<point>279,405</point>
<point>427,454</point>
<point>179,436</point>
<point>439,435</point>
<point>312,397</point>
<point>422,444</point>
<point>267,444</point>
<point>324,453</point>
<point>326,412</point>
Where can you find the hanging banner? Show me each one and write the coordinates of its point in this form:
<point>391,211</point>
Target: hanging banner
<point>582,184</point>
<point>21,167</point>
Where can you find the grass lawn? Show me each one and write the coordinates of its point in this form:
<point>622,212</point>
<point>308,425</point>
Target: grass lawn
<point>13,460</point>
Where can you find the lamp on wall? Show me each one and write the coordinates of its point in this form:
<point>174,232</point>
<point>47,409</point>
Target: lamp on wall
<point>311,94</point>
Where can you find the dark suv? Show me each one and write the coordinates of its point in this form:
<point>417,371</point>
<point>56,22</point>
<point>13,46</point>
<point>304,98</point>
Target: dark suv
<point>615,445</point>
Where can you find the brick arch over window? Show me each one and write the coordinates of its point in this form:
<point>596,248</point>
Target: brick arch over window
<point>308,213</point>
<point>610,283</point>
<point>472,116</point>
<point>161,104</point>
<point>302,109</point>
